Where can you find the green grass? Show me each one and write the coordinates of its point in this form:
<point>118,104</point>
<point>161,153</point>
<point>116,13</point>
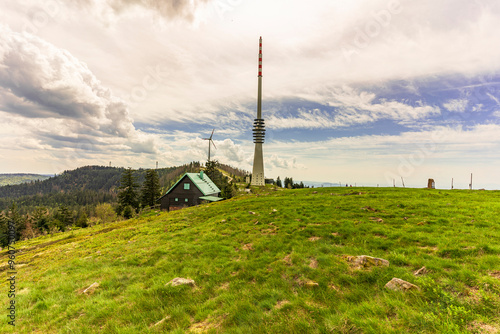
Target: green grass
<point>250,269</point>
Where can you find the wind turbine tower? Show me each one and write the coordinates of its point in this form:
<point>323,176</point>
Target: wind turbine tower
<point>258,132</point>
<point>210,142</point>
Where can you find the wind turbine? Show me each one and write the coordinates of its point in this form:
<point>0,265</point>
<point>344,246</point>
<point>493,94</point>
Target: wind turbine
<point>210,141</point>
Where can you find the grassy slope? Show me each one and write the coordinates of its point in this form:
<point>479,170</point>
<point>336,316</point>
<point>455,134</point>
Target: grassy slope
<point>251,269</point>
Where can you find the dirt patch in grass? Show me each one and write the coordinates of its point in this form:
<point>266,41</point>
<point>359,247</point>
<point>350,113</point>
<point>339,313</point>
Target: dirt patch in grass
<point>43,245</point>
<point>205,326</point>
<point>483,328</point>
<point>495,274</point>
<point>313,263</point>
<point>314,238</point>
<point>288,260</point>
<point>280,304</point>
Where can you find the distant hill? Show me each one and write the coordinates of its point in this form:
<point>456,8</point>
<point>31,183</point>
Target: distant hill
<point>87,185</point>
<point>12,179</point>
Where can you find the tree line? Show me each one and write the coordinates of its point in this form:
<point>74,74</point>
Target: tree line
<point>94,194</point>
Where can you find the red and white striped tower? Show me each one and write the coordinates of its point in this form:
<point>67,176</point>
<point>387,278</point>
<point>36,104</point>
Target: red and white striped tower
<point>258,132</point>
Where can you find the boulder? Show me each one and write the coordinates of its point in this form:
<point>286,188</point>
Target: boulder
<point>181,281</point>
<point>397,284</point>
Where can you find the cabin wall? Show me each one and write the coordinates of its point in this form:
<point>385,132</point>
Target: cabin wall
<point>185,197</point>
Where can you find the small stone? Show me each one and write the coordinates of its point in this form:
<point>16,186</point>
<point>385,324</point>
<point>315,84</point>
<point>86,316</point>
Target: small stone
<point>420,272</point>
<point>181,281</point>
<point>251,212</point>
<point>397,284</point>
<point>311,284</point>
<point>364,261</point>
<point>223,221</point>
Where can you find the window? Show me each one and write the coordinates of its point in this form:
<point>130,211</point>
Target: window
<point>186,200</point>
<point>177,200</point>
<point>186,186</point>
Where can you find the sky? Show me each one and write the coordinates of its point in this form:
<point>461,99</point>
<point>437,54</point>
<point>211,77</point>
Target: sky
<point>361,92</point>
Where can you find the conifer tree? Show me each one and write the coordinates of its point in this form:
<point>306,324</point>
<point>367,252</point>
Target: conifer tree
<point>278,182</point>
<point>128,196</point>
<point>150,189</point>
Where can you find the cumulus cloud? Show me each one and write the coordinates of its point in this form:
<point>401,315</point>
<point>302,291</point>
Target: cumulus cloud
<point>282,163</point>
<point>231,152</point>
<point>456,105</point>
<point>345,106</point>
<point>60,98</point>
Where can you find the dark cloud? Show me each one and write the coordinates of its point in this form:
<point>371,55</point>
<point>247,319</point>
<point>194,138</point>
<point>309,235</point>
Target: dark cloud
<point>59,94</point>
<point>41,80</point>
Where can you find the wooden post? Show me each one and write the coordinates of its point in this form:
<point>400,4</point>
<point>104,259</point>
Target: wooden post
<point>403,182</point>
<point>394,183</point>
<point>452,183</point>
<point>470,185</point>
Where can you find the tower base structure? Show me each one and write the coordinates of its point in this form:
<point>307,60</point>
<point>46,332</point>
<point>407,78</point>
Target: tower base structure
<point>258,167</point>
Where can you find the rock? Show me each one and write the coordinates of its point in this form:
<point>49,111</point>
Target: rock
<point>311,284</point>
<point>397,284</point>
<point>181,281</point>
<point>420,272</point>
<point>251,212</point>
<point>365,261</point>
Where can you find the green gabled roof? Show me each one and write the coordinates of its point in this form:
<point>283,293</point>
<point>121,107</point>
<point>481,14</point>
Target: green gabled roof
<point>205,185</point>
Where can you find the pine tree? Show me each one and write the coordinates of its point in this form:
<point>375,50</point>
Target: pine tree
<point>212,171</point>
<point>150,189</point>
<point>278,182</point>
<point>128,195</point>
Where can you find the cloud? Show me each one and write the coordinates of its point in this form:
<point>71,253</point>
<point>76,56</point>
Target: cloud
<point>457,105</point>
<point>278,162</point>
<point>345,106</point>
<point>58,96</point>
<point>170,9</point>
<point>231,152</point>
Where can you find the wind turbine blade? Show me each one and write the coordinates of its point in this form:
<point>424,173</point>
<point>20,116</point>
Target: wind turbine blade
<point>213,143</point>
<point>212,133</point>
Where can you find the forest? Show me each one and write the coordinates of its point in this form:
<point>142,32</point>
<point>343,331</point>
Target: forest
<point>93,195</point>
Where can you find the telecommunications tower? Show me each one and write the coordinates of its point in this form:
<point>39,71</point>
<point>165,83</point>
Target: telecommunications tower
<point>258,132</point>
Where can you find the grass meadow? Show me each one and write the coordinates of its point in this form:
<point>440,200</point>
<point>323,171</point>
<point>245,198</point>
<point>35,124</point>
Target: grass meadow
<point>271,262</point>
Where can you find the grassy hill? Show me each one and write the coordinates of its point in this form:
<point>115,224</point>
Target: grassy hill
<point>272,262</point>
<point>12,179</point>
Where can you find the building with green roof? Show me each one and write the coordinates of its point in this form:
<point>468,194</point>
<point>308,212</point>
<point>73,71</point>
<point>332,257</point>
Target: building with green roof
<point>191,189</point>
